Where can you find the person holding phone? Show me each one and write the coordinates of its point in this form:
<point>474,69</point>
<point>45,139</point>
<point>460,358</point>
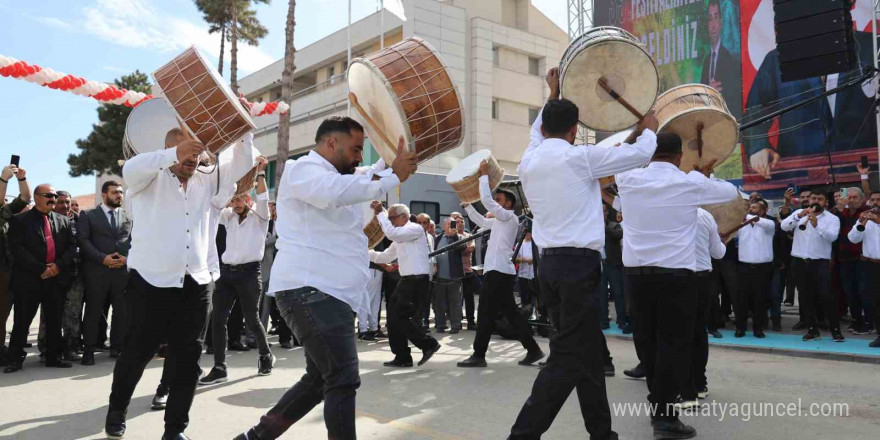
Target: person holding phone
<point>7,210</point>
<point>867,232</point>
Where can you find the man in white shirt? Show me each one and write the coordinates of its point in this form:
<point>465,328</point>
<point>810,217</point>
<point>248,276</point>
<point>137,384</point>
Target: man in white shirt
<point>321,271</point>
<point>707,246</point>
<point>660,263</point>
<point>499,275</point>
<point>561,182</point>
<point>755,270</point>
<point>815,229</point>
<point>167,291</point>
<point>410,248</point>
<point>241,277</point>
<point>867,232</point>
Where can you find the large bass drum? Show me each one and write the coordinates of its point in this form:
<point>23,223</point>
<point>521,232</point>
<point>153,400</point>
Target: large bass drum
<point>464,178</point>
<point>146,127</point>
<point>683,110</point>
<point>619,57</point>
<point>406,90</point>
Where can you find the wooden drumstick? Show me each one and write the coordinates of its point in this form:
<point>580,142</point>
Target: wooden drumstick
<point>354,102</point>
<point>700,142</point>
<point>185,131</point>
<point>604,84</point>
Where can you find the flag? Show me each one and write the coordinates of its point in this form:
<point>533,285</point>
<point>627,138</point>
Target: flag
<point>395,7</point>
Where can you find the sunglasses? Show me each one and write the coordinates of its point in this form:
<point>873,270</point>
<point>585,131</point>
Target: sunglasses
<point>49,195</point>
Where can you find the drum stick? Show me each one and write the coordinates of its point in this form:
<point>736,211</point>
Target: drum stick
<point>737,228</point>
<point>354,102</point>
<point>604,84</point>
<point>700,142</point>
<point>185,131</point>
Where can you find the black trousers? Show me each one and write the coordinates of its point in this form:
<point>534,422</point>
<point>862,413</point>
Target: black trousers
<point>155,313</point>
<point>27,298</point>
<point>244,284</point>
<point>873,269</point>
<point>576,360</point>
<point>728,287</point>
<point>102,287</point>
<point>470,285</point>
<point>814,284</point>
<point>401,325</point>
<point>496,299</point>
<point>664,314</point>
<point>754,293</point>
<point>697,378</point>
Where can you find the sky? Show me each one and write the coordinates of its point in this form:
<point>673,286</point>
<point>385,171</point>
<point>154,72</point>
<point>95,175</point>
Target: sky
<point>102,40</point>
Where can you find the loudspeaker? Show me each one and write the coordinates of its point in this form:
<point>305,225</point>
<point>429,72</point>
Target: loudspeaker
<point>814,37</point>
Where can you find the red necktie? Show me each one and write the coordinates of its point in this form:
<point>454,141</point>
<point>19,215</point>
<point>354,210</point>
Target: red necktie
<point>50,241</point>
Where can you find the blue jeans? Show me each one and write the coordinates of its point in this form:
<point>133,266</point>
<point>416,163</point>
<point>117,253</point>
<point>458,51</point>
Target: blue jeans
<point>325,326</point>
<point>854,277</point>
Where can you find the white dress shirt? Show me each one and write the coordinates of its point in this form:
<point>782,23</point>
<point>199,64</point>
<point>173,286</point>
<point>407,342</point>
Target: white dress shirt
<point>708,244</point>
<point>812,243</point>
<point>561,184</point>
<point>321,241</point>
<point>246,240</point>
<point>502,238</point>
<point>659,203</point>
<point>218,204</point>
<point>526,270</point>
<point>870,239</point>
<point>756,241</point>
<point>170,236</point>
<point>409,247</point>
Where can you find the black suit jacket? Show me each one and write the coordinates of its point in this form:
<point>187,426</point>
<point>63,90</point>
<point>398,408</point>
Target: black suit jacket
<point>727,72</point>
<point>28,246</point>
<point>97,239</point>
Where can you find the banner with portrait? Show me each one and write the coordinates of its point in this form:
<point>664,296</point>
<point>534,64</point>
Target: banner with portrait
<point>803,146</point>
<point>691,41</point>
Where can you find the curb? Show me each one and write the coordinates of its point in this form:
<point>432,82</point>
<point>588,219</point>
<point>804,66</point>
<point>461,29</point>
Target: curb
<point>845,357</point>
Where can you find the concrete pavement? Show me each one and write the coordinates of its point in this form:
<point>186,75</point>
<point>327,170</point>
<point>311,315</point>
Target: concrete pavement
<point>441,401</point>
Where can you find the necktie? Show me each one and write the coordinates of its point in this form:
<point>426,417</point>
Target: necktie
<point>50,241</point>
<point>113,220</point>
<point>712,66</point>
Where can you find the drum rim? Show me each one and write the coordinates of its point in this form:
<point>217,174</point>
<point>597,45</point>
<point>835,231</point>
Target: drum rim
<point>592,30</point>
<point>373,67</point>
<point>717,93</point>
<point>126,139</point>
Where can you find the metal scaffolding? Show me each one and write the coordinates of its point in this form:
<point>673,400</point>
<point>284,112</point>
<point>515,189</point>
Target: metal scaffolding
<point>580,20</point>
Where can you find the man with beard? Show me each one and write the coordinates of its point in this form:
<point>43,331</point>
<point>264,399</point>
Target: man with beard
<point>42,245</point>
<point>240,276</point>
<point>321,271</point>
<point>867,232</point>
<point>815,230</point>
<point>167,291</point>
<point>755,270</point>
<point>104,235</point>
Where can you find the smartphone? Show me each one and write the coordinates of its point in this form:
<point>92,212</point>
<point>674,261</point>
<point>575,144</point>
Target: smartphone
<point>15,159</point>
<point>864,161</point>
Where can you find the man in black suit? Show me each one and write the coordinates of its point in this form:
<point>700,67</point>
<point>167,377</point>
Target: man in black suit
<point>42,245</point>
<point>104,236</point>
<point>720,68</point>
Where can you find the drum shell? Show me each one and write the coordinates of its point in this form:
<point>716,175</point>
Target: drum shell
<point>205,104</point>
<point>680,109</point>
<point>728,215</point>
<point>468,188</point>
<point>373,231</point>
<point>428,101</point>
<point>247,182</point>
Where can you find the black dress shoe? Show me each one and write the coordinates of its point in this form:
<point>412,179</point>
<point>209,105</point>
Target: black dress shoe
<point>636,373</point>
<point>532,357</point>
<point>178,436</point>
<point>673,430</point>
<point>759,334</point>
<point>249,435</point>
<point>739,333</point>
<point>114,353</point>
<point>429,353</point>
<point>238,346</point>
<point>13,367</point>
<point>716,334</point>
<point>114,425</point>
<point>609,370</point>
<point>88,358</point>
<point>399,363</point>
<point>473,362</point>
<point>70,355</point>
<point>472,326</point>
<point>812,335</point>
<point>160,400</point>
<point>799,326</point>
<point>58,363</point>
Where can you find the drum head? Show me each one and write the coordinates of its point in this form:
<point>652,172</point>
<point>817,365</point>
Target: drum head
<point>147,125</point>
<point>729,215</point>
<point>467,166</point>
<point>628,69</point>
<point>720,133</point>
<point>380,102</point>
<point>615,139</point>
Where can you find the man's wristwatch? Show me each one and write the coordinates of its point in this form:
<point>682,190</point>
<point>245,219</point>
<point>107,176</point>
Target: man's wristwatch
<point>261,174</point>
<point>22,179</point>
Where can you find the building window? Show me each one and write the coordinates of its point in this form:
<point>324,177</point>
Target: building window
<point>430,208</point>
<point>533,114</point>
<point>495,57</point>
<point>277,96</point>
<point>495,109</point>
<point>534,66</point>
<point>330,72</point>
